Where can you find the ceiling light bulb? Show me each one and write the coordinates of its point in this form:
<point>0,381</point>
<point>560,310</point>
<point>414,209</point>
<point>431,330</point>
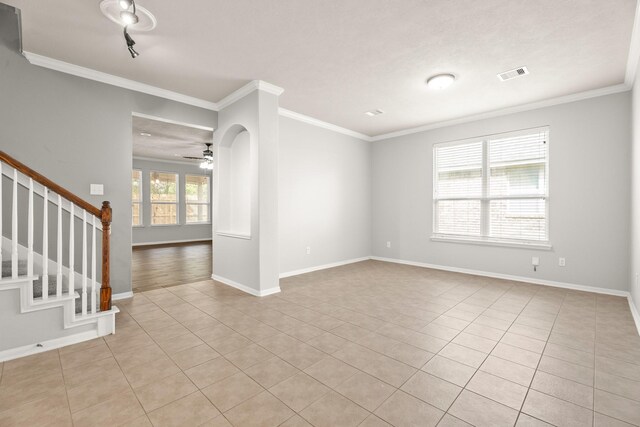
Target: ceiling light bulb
<point>128,18</point>
<point>125,4</point>
<point>145,134</point>
<point>440,81</point>
<point>206,165</point>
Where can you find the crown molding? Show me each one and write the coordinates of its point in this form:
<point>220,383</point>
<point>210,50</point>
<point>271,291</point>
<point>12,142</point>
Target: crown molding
<point>609,90</point>
<point>268,87</point>
<point>315,122</point>
<point>246,90</point>
<point>76,70</point>
<point>88,73</point>
<point>634,51</point>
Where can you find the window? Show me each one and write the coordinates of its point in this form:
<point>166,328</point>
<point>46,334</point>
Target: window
<point>196,194</point>
<point>493,189</point>
<point>136,198</point>
<point>164,198</point>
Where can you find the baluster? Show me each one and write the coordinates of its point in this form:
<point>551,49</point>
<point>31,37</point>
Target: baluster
<point>72,256</point>
<point>14,227</point>
<point>84,262</point>
<point>59,250</point>
<point>30,231</point>
<point>93,264</point>
<point>45,245</point>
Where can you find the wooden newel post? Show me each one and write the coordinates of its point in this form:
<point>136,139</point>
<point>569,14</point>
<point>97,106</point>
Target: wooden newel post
<point>105,289</point>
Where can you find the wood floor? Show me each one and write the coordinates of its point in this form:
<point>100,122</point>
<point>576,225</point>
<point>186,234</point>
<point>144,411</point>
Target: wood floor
<point>169,265</point>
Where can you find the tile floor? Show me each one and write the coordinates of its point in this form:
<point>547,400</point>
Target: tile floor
<point>369,344</point>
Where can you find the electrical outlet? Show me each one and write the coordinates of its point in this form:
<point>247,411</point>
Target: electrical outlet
<point>308,250</point>
<point>562,262</point>
<point>535,261</point>
<point>388,244</point>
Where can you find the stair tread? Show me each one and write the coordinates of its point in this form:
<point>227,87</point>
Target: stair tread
<point>52,285</point>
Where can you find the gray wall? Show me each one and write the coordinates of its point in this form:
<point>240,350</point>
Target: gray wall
<point>589,196</point>
<point>182,232</point>
<point>325,196</point>
<point>634,271</point>
<point>77,132</point>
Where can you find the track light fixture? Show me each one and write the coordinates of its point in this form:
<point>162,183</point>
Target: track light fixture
<point>130,43</point>
<point>129,17</point>
<point>127,14</point>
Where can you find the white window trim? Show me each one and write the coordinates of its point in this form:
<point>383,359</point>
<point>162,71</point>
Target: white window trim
<point>177,202</point>
<point>484,239</point>
<point>141,202</point>
<point>186,202</point>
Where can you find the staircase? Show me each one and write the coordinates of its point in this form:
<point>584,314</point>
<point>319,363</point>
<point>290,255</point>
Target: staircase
<point>51,294</point>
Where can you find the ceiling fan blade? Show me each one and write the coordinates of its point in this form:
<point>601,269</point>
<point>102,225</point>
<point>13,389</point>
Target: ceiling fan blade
<point>192,158</point>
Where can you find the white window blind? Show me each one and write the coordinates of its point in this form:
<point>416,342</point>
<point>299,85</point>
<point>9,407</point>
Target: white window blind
<point>493,188</point>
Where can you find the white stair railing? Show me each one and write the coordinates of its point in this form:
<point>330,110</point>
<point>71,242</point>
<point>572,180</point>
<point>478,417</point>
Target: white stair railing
<point>89,290</point>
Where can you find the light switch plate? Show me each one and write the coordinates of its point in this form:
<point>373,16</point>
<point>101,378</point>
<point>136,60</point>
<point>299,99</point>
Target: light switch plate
<point>97,190</point>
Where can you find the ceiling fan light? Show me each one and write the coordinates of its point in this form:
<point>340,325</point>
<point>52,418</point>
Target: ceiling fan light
<point>128,18</point>
<point>125,4</point>
<point>206,165</point>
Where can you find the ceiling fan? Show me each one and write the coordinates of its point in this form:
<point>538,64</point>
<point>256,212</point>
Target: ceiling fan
<point>207,157</point>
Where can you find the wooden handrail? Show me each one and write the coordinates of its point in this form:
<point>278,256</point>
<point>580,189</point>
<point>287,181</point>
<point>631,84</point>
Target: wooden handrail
<point>21,167</point>
<point>104,214</point>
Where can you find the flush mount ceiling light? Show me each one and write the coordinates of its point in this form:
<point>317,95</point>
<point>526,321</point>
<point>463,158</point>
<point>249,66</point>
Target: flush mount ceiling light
<point>440,81</point>
<point>145,134</point>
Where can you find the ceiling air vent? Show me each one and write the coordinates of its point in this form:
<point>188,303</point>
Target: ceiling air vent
<point>374,113</point>
<point>512,74</point>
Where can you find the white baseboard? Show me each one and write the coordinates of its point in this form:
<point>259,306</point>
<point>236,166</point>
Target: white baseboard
<point>121,295</point>
<point>28,350</point>
<point>322,267</point>
<point>508,277</point>
<point>634,313</point>
<point>169,242</point>
<point>244,288</point>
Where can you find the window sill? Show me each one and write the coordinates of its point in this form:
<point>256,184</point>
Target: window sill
<point>198,223</point>
<point>234,235</point>
<point>164,225</point>
<point>490,242</point>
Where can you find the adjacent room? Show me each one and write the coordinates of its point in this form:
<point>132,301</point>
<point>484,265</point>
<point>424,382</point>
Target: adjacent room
<point>249,213</point>
<point>171,203</point>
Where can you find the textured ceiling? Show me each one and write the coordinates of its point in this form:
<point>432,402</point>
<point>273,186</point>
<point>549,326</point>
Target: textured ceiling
<point>168,141</point>
<point>339,59</point>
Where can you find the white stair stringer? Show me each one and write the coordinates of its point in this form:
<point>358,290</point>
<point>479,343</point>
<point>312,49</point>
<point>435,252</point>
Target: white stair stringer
<point>103,322</point>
